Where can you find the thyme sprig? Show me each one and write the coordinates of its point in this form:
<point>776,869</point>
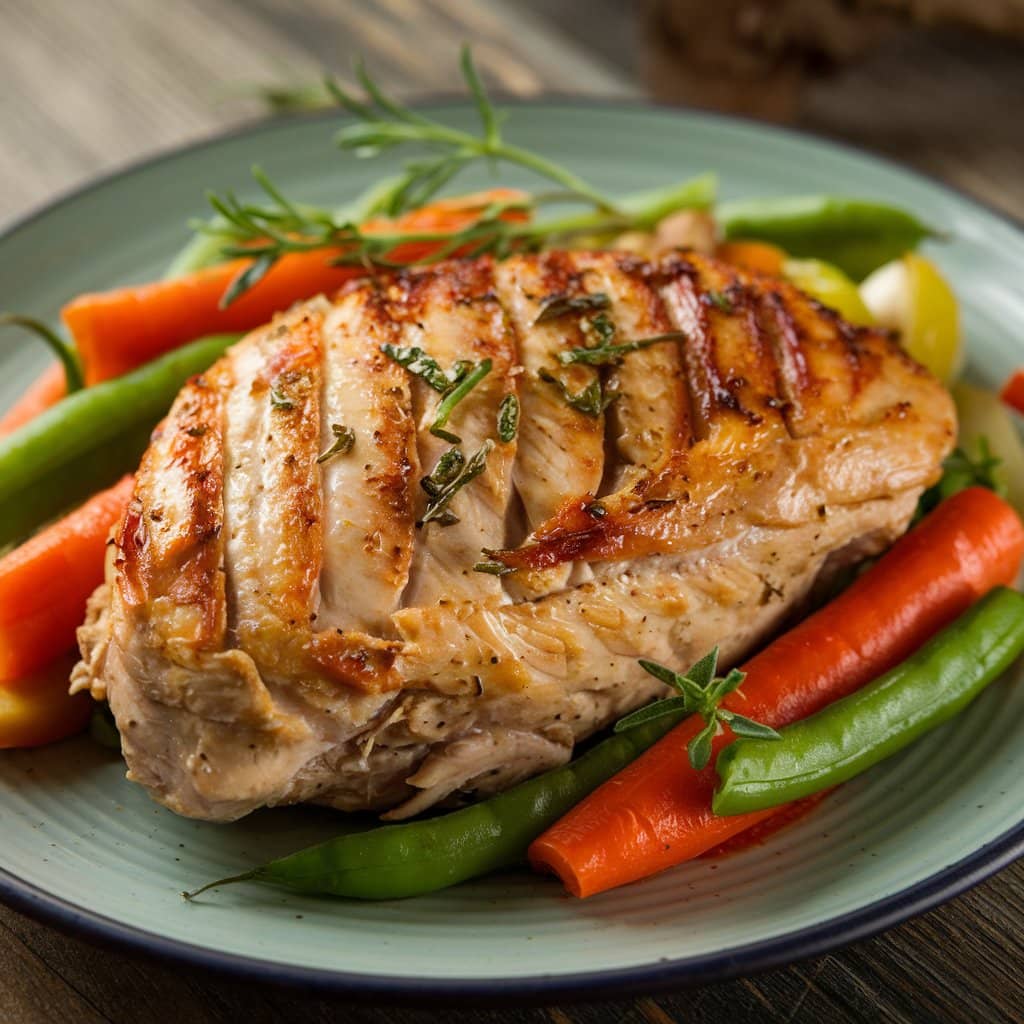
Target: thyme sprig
<point>452,472</point>
<point>701,692</point>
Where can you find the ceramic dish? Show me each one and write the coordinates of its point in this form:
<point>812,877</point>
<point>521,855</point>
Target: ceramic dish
<point>86,850</point>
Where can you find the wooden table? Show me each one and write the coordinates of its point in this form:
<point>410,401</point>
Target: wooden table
<point>91,84</point>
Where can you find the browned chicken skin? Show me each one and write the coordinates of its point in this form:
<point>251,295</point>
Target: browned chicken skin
<point>277,629</point>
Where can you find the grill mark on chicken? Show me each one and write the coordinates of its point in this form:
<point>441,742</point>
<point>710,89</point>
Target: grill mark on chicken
<point>272,488</point>
<point>780,439</point>
<point>170,545</point>
<point>453,314</point>
<point>368,499</point>
<point>560,449</point>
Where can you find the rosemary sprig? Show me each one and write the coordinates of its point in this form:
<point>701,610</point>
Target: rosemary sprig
<point>452,472</point>
<point>720,300</point>
<point>493,568</point>
<point>265,231</point>
<point>344,442</point>
<point>600,355</point>
<point>701,692</point>
<point>591,401</point>
<point>383,124</point>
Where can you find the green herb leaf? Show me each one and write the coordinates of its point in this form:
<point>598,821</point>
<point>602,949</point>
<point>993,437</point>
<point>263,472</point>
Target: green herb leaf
<point>508,418</point>
<point>247,277</point>
<point>743,726</point>
<point>493,568</point>
<point>720,301</point>
<point>471,468</point>
<point>344,442</point>
<point>702,692</point>
<point>699,748</point>
<point>556,306</point>
<point>668,706</point>
<point>603,354</point>
<point>418,363</point>
<point>591,401</point>
<point>456,395</point>
<point>279,400</point>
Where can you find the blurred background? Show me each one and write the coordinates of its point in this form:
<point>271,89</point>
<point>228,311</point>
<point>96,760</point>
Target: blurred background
<point>89,85</point>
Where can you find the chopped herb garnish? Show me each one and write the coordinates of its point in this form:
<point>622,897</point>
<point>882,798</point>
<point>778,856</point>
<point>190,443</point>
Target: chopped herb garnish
<point>591,401</point>
<point>470,469</point>
<point>448,467</point>
<point>508,418</point>
<point>600,327</point>
<point>279,400</point>
<point>603,354</point>
<point>493,568</point>
<point>452,399</point>
<point>418,363</point>
<point>720,301</point>
<point>701,692</point>
<point>555,306</point>
<point>344,442</point>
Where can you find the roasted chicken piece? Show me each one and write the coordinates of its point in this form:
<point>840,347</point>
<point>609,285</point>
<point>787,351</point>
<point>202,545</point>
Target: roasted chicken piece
<point>311,598</point>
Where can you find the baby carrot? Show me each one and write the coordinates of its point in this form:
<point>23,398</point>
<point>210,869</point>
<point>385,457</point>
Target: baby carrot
<point>38,709</point>
<point>118,330</point>
<point>45,583</point>
<point>657,812</point>
<point>45,391</point>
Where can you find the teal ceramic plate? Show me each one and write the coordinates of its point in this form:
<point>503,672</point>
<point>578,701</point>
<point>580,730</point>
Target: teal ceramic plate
<point>87,850</point>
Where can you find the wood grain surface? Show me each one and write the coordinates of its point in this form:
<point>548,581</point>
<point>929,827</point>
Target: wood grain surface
<point>88,85</point>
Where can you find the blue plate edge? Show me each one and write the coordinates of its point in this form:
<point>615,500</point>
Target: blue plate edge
<point>663,976</point>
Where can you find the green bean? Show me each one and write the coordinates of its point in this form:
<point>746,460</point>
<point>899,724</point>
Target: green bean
<point>854,733</point>
<point>417,857</point>
<point>856,235</point>
<point>85,442</point>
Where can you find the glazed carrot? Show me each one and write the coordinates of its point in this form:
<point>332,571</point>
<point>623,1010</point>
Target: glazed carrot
<point>47,390</point>
<point>45,583</point>
<point>760,257</point>
<point>657,812</point>
<point>38,708</point>
<point>118,330</point>
<point>1013,391</point>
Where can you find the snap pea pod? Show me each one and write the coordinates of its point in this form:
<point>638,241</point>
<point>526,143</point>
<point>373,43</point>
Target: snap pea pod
<point>85,442</point>
<point>397,861</point>
<point>854,733</point>
<point>856,235</point>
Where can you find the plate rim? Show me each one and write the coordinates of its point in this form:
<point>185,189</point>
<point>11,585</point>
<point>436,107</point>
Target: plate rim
<point>666,974</point>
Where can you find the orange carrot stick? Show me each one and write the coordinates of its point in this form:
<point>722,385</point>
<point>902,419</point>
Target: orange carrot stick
<point>657,812</point>
<point>47,390</point>
<point>45,583</point>
<point>1013,391</point>
<point>118,330</point>
<point>38,708</point>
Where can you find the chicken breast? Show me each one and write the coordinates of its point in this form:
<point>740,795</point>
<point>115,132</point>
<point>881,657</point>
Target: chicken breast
<point>321,592</point>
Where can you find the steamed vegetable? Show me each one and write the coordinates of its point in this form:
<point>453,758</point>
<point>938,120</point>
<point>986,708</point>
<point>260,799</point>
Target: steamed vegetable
<point>851,735</point>
<point>45,583</point>
<point>417,857</point>
<point>37,708</point>
<point>657,813</point>
<point>87,441</point>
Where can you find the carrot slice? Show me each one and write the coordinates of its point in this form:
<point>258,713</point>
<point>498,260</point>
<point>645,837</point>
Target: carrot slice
<point>38,709</point>
<point>657,812</point>
<point>1013,391</point>
<point>760,257</point>
<point>45,583</point>
<point>118,330</point>
<point>47,390</point>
